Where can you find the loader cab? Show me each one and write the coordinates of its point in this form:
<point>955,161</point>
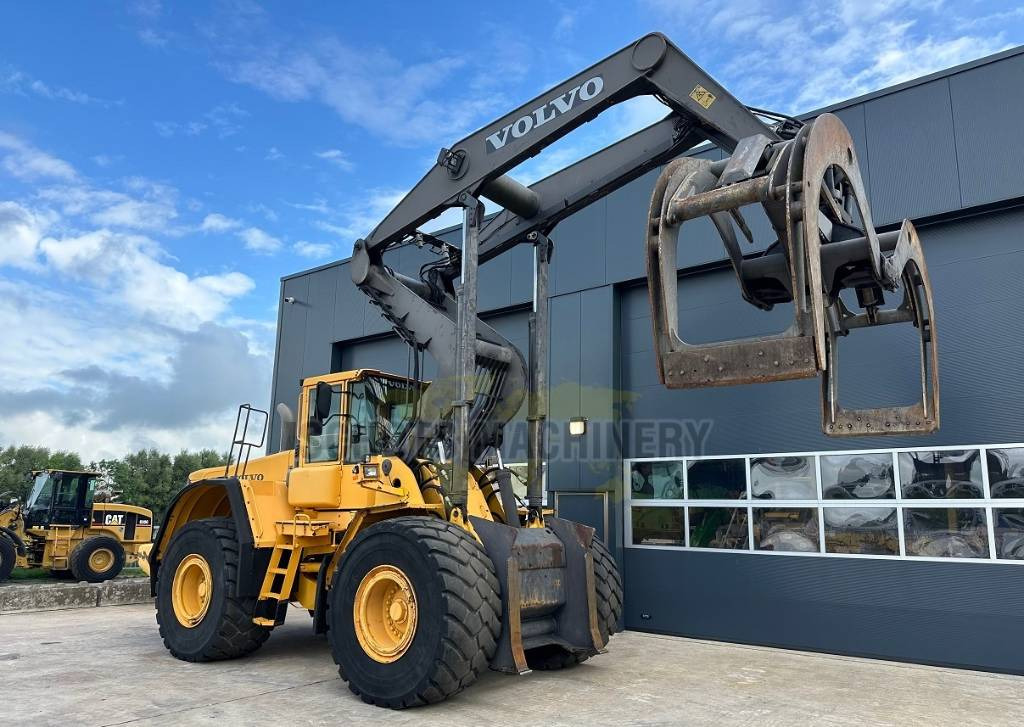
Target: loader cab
<point>349,416</point>
<point>60,498</point>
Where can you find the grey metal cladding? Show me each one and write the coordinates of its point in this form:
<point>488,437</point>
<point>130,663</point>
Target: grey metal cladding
<point>911,155</point>
<point>854,118</point>
<point>578,262</point>
<point>349,305</point>
<point>952,614</point>
<point>564,379</point>
<point>319,305</point>
<point>625,222</point>
<point>988,105</point>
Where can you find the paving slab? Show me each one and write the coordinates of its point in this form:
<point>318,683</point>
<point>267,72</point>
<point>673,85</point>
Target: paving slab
<point>107,666</point>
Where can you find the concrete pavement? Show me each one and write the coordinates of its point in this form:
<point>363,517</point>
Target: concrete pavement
<point>107,666</point>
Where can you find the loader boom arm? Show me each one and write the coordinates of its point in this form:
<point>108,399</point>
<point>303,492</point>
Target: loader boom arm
<point>805,176</point>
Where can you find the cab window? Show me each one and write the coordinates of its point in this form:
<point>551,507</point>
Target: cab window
<point>66,494</point>
<point>323,437</point>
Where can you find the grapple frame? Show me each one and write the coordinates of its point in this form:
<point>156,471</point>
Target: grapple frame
<point>812,193</point>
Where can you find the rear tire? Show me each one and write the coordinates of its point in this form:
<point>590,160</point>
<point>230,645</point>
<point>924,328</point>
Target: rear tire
<point>456,613</point>
<point>96,559</point>
<point>223,627</point>
<point>608,587</point>
<point>8,557</point>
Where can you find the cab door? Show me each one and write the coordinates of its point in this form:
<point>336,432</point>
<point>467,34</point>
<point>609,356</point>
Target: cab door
<point>317,481</point>
<point>68,506</point>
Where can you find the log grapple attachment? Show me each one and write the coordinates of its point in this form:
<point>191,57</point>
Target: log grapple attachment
<point>811,190</point>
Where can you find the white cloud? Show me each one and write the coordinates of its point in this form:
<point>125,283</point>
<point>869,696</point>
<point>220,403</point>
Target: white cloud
<point>338,158</point>
<point>259,241</point>
<point>224,120</point>
<point>216,222</point>
<point>126,268</point>
<point>24,161</point>
<point>314,249</point>
<point>18,82</point>
<point>147,205</point>
<point>153,38</point>
<point>273,154</point>
<point>21,230</point>
<point>404,103</point>
<point>793,58</point>
<point>359,218</point>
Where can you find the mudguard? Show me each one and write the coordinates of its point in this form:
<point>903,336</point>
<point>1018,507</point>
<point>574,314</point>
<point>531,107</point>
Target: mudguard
<point>252,561</point>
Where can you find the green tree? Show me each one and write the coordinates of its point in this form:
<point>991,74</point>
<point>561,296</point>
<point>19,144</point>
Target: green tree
<point>17,463</point>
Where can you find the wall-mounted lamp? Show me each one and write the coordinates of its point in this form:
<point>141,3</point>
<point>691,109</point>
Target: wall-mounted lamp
<point>577,426</point>
<point>289,299</point>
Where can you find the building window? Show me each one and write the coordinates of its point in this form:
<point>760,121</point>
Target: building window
<point>657,480</point>
<point>719,527</point>
<point>946,532</point>
<point>790,529</point>
<point>947,474</point>
<point>658,526</point>
<point>939,503</point>
<point>783,478</point>
<point>862,530</point>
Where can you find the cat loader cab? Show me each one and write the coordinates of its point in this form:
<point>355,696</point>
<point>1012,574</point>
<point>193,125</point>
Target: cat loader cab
<point>67,526</point>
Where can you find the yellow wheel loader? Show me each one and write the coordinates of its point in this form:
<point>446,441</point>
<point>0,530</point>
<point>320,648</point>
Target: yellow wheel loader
<point>378,513</point>
<point>65,527</point>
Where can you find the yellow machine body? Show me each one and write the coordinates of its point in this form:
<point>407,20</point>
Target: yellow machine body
<point>302,508</point>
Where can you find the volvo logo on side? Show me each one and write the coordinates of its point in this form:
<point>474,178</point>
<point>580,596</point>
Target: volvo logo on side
<point>541,115</point>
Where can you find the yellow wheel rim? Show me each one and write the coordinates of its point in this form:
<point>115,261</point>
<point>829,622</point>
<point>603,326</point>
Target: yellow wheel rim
<point>385,613</point>
<point>191,590</point>
<point>101,559</point>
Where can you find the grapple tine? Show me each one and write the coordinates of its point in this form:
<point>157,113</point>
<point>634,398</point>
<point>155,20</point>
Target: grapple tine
<point>812,192</point>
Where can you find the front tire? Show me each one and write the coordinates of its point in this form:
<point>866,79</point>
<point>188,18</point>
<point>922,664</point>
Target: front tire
<point>414,612</point>
<point>8,557</point>
<point>96,559</point>
<point>199,616</point>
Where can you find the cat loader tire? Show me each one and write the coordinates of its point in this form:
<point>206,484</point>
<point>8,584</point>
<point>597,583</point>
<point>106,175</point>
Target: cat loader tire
<point>96,559</point>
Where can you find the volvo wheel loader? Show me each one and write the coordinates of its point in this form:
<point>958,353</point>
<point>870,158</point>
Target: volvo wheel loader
<point>66,527</point>
<point>378,515</point>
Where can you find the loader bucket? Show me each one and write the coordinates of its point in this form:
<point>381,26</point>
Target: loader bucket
<point>811,191</point>
<point>549,600</point>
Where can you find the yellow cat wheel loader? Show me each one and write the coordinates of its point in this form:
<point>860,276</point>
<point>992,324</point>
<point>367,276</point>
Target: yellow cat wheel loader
<point>65,527</point>
<point>379,513</point>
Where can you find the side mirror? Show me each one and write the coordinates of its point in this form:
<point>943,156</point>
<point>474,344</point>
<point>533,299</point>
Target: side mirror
<point>324,393</point>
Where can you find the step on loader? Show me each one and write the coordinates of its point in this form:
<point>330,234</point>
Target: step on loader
<point>387,512</point>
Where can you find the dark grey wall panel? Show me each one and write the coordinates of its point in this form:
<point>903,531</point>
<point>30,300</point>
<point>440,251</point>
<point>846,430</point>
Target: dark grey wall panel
<point>578,262</point>
<point>564,378</point>
<point>320,306</point>
<point>953,614</point>
<point>626,224</point>
<point>854,118</point>
<point>911,153</point>
<point>349,304</point>
<point>988,105</point>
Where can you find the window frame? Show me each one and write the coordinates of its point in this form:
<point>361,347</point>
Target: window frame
<point>986,503</point>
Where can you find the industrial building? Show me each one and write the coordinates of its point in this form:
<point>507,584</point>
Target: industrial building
<point>733,517</point>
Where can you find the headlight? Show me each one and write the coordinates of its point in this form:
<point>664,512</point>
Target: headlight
<point>370,472</point>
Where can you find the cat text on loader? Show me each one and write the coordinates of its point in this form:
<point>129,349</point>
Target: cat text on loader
<point>69,525</point>
<point>378,514</point>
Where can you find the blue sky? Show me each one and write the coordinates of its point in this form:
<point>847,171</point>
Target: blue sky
<point>163,165</point>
